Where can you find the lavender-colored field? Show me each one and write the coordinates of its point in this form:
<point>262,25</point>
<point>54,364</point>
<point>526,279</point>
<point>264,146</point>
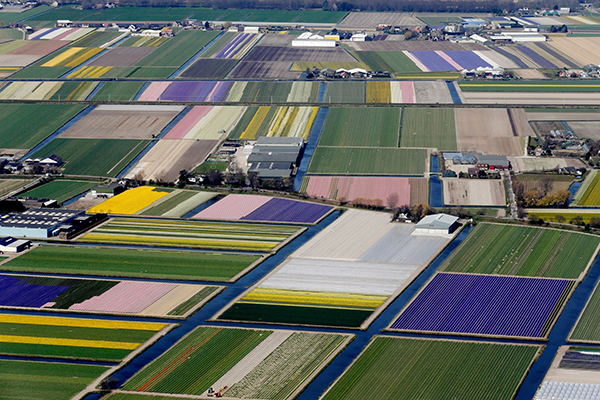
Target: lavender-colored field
<point>284,210</point>
<point>511,56</point>
<point>485,305</point>
<point>234,206</point>
<point>467,59</point>
<point>541,61</point>
<point>196,91</point>
<point>433,61</point>
<point>15,292</point>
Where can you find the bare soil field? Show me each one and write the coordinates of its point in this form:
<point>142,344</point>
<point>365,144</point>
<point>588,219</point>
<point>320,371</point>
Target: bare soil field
<point>583,50</point>
<point>280,53</point>
<point>563,116</point>
<point>589,130</point>
<point>529,73</point>
<point>122,57</point>
<point>17,60</point>
<point>432,92</point>
<point>122,122</point>
<point>520,123</point>
<point>276,40</point>
<point>539,164</point>
<point>263,69</point>
<point>168,157</point>
<point>419,191</point>
<point>557,374</point>
<point>372,19</point>
<point>39,47</point>
<point>544,127</point>
<point>486,130</point>
<point>474,192</point>
<point>534,98</point>
<point>210,68</point>
<point>86,202</point>
<point>394,45</point>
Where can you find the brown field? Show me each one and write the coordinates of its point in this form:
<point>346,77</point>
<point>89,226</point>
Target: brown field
<point>291,54</point>
<point>539,164</point>
<point>122,57</point>
<point>276,40</point>
<point>122,122</point>
<point>544,127</point>
<point>533,182</point>
<point>533,98</point>
<point>372,19</point>
<point>399,45</point>
<point>40,47</point>
<point>563,116</point>
<point>168,157</point>
<point>474,192</point>
<point>529,73</point>
<point>431,92</point>
<point>520,121</point>
<point>419,191</point>
<point>486,130</point>
<point>17,60</point>
<point>583,50</point>
<point>589,130</point>
<point>263,69</point>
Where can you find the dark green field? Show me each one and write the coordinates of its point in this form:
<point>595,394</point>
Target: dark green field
<point>265,92</point>
<point>370,127</point>
<point>345,92</point>
<point>587,328</point>
<point>60,190</point>
<point>22,126</point>
<point>428,127</point>
<point>118,91</point>
<point>390,61</point>
<point>96,39</point>
<point>522,251</point>
<point>44,380</point>
<point>10,17</point>
<point>35,72</point>
<point>402,368</point>
<point>365,161</point>
<point>94,157</point>
<point>132,263</point>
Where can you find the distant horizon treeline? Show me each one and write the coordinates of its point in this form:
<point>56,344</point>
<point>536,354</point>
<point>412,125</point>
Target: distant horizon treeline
<point>456,6</point>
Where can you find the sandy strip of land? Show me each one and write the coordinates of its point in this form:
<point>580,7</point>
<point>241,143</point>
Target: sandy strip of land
<point>563,116</point>
<point>586,129</point>
<point>474,192</point>
<point>535,164</point>
<point>584,50</point>
<point>486,130</point>
<point>172,299</point>
<point>532,98</point>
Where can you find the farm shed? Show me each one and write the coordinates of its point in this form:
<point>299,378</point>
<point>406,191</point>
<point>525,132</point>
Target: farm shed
<point>11,245</point>
<point>275,157</point>
<point>36,223</point>
<point>436,224</point>
<point>492,162</point>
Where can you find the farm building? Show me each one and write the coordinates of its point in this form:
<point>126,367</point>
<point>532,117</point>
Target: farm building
<point>308,39</point>
<point>110,190</point>
<point>36,223</point>
<point>11,245</point>
<point>436,224</point>
<point>471,22</point>
<point>275,157</point>
<point>492,162</point>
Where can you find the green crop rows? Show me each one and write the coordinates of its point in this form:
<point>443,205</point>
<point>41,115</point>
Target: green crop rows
<point>369,127</point>
<point>25,125</point>
<point>118,91</point>
<point>413,369</point>
<point>132,263</point>
<point>363,161</point>
<point>45,380</point>
<point>96,157</point>
<point>428,127</point>
<point>522,251</point>
<point>587,328</point>
<point>60,190</point>
<point>168,204</point>
<point>390,61</point>
<point>345,92</point>
<point>265,92</point>
<point>197,361</point>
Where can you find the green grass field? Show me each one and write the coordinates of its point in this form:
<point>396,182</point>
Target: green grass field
<point>59,190</point>
<point>45,380</point>
<point>118,91</point>
<point>266,92</point>
<point>367,161</point>
<point>96,39</point>
<point>10,33</point>
<point>532,86</point>
<point>25,125</point>
<point>394,368</point>
<point>94,157</point>
<point>206,266</point>
<point>10,17</point>
<point>370,127</point>
<point>193,364</point>
<point>587,328</point>
<point>9,185</point>
<point>34,72</point>
<point>522,251</point>
<point>428,127</point>
<point>390,61</point>
<point>345,92</point>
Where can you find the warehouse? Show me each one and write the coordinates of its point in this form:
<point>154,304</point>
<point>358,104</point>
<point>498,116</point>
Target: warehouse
<point>436,224</point>
<point>275,157</point>
<point>36,223</point>
<point>492,162</point>
<point>11,245</point>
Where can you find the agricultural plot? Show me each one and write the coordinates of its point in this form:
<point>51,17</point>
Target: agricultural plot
<point>96,157</point>
<point>105,297</point>
<point>99,38</point>
<point>489,131</point>
<point>244,207</point>
<point>260,92</point>
<point>122,122</point>
<point>209,68</point>
<point>565,216</point>
<point>536,182</point>
<point>303,92</point>
<point>71,57</point>
<point>122,57</point>
<point>25,125</point>
<point>431,92</point>
<point>237,47</point>
<point>474,192</point>
<point>343,277</point>
<point>367,161</point>
<point>131,201</point>
<point>345,92</point>
<point>528,89</point>
<point>45,380</point>
<point>101,261</point>
<point>9,185</point>
<point>59,190</point>
<point>409,191</point>
<point>372,19</point>
<point>193,234</point>
<point>20,53</point>
<point>523,251</point>
<point>271,121</point>
<point>67,34</point>
<point>390,368</point>
<point>239,363</point>
<point>206,122</point>
<point>582,50</point>
<point>428,127</point>
<point>33,90</point>
<point>167,157</point>
<point>187,91</point>
<point>71,91</point>
<point>486,305</point>
<point>590,191</point>
<point>118,91</point>
<point>587,328</point>
<point>573,374</point>
<point>361,127</point>
<point>75,338</point>
<point>177,203</point>
<point>585,129</point>
<point>539,164</point>
<point>390,61</point>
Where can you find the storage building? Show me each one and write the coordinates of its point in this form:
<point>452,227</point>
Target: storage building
<point>276,157</point>
<point>37,223</point>
<point>437,224</point>
<point>11,245</point>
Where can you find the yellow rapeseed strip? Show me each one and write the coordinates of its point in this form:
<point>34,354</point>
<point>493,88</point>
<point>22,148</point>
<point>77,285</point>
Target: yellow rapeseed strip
<point>130,201</point>
<point>99,344</point>
<point>321,298</point>
<point>281,113</point>
<point>82,57</point>
<point>311,120</point>
<point>90,72</point>
<point>80,322</point>
<point>63,56</point>
<point>255,123</point>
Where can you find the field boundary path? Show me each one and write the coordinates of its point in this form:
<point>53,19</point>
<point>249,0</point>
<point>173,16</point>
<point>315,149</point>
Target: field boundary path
<point>511,196</point>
